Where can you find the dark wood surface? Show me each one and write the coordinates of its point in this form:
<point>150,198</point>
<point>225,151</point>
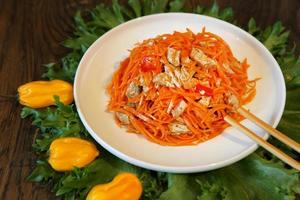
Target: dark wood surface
<point>31,32</point>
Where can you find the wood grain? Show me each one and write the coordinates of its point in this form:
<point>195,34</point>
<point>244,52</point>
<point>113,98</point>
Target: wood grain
<point>30,35</point>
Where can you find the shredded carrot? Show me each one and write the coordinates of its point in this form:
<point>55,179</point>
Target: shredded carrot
<point>223,83</point>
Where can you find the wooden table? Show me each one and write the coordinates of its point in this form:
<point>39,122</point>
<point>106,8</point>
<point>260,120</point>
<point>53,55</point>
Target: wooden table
<point>31,32</point>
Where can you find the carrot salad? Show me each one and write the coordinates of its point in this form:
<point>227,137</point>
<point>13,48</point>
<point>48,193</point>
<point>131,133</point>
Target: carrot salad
<point>175,89</point>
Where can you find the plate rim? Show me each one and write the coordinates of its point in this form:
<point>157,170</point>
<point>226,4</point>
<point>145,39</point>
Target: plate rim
<point>176,169</point>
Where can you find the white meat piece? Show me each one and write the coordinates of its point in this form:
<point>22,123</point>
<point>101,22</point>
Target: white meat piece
<point>233,100</point>
<point>173,56</point>
<point>200,57</point>
<point>171,105</point>
<point>169,71</point>
<point>228,69</point>
<point>145,88</point>
<point>143,84</point>
<point>183,73</point>
<point>133,90</point>
<point>177,72</point>
<point>163,79</point>
<point>205,101</point>
<point>177,128</point>
<point>186,73</point>
<point>124,119</point>
<point>179,109</point>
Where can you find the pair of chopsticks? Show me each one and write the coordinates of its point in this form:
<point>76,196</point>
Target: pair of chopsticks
<point>277,134</point>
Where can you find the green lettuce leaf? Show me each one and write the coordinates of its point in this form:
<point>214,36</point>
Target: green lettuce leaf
<point>43,172</point>
<point>274,37</point>
<point>177,6</point>
<point>290,63</point>
<point>54,122</point>
<point>136,6</point>
<point>253,178</point>
<point>179,187</point>
<point>214,11</point>
<point>290,121</point>
<point>65,69</point>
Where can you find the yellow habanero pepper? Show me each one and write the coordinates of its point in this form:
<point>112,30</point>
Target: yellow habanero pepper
<point>69,152</point>
<point>39,94</point>
<point>125,186</point>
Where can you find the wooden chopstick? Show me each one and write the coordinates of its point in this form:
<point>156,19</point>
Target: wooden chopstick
<point>274,150</point>
<point>277,134</point>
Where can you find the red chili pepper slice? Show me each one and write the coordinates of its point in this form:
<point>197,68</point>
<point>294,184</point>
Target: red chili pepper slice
<point>203,89</point>
<point>148,64</point>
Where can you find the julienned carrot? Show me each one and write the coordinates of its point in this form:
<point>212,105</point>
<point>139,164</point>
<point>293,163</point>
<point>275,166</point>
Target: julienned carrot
<point>150,112</point>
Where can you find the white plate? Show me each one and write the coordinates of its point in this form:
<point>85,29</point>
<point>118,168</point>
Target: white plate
<point>102,59</point>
